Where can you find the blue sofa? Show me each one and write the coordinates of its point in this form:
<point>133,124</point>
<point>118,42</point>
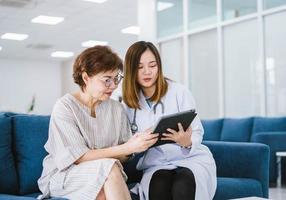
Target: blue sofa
<point>265,130</point>
<point>242,168</point>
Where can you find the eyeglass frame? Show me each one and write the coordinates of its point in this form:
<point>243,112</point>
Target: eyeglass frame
<point>116,80</point>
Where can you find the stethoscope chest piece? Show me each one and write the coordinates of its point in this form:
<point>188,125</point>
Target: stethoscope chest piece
<point>134,128</point>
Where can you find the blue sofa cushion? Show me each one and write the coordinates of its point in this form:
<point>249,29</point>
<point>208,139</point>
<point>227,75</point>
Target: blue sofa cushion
<point>13,197</point>
<point>230,188</point>
<point>8,175</point>
<point>31,134</point>
<point>26,197</point>
<point>237,130</point>
<point>269,124</point>
<point>212,129</point>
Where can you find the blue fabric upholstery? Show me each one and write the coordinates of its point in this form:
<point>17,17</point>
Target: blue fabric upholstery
<point>237,130</point>
<point>266,128</point>
<point>242,160</point>
<point>229,188</point>
<point>28,197</point>
<point>271,138</point>
<point>14,197</point>
<point>212,129</point>
<point>246,129</point>
<point>30,133</point>
<point>269,124</point>
<point>8,176</point>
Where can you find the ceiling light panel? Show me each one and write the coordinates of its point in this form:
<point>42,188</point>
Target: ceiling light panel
<point>49,20</point>
<point>14,36</point>
<point>135,30</point>
<point>92,43</point>
<point>62,54</point>
<point>96,1</point>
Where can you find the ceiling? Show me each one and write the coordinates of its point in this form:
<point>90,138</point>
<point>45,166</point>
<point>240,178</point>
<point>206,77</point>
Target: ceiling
<point>83,21</point>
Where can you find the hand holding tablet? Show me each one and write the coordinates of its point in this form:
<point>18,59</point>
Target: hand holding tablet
<point>171,121</point>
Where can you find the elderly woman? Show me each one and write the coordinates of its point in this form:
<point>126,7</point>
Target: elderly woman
<point>89,134</point>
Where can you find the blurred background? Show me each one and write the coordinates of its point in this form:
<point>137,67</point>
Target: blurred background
<point>230,53</point>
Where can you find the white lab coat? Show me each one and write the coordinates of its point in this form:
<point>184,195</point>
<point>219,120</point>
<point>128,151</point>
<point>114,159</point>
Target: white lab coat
<point>170,156</point>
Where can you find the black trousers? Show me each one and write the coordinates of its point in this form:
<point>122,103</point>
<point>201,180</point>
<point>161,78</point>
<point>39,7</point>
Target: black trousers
<point>177,184</point>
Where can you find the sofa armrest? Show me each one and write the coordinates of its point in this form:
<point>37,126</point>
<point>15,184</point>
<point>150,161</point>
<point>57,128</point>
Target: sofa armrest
<point>241,160</point>
<point>276,142</point>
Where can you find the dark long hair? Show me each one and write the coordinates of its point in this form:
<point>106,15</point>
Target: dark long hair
<point>130,86</point>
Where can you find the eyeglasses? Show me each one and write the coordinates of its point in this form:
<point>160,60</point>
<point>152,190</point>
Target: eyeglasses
<point>116,80</point>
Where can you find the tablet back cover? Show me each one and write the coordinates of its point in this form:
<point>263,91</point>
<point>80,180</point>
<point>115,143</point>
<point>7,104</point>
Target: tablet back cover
<point>171,121</point>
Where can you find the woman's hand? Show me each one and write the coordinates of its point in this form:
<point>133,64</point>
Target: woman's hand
<point>140,142</point>
<point>182,138</point>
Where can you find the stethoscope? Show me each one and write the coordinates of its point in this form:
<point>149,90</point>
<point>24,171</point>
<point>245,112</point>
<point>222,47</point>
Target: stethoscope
<point>134,127</point>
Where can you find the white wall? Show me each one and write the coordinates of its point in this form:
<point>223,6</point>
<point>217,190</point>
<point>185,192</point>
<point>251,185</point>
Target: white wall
<point>146,20</point>
<point>21,79</point>
<point>68,84</point>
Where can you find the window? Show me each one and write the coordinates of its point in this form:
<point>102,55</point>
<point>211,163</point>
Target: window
<point>201,13</point>
<point>169,17</point>
<point>273,3</point>
<point>237,8</point>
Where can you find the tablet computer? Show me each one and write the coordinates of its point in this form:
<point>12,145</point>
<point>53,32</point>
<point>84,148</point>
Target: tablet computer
<point>171,121</point>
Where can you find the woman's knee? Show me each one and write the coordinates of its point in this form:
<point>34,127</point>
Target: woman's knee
<point>162,174</point>
<point>101,195</point>
<point>161,185</point>
<point>115,173</point>
<point>184,185</point>
<point>161,180</point>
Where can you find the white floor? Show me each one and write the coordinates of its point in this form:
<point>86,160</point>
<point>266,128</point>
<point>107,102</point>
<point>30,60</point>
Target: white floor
<point>277,193</point>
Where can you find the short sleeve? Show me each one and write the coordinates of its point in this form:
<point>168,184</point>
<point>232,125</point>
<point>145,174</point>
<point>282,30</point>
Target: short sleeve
<point>125,130</point>
<point>66,143</point>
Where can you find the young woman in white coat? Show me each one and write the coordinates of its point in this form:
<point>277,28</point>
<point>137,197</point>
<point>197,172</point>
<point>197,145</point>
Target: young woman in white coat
<point>181,170</point>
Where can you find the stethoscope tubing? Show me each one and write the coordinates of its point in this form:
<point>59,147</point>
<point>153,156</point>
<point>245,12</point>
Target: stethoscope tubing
<point>134,126</point>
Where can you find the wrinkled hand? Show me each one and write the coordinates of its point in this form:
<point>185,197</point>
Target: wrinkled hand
<point>140,142</point>
<point>182,138</point>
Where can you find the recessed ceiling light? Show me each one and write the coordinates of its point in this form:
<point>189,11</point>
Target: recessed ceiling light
<point>163,5</point>
<point>62,54</point>
<point>135,30</point>
<point>49,20</point>
<point>14,36</point>
<point>96,1</point>
<point>0,48</point>
<point>92,43</point>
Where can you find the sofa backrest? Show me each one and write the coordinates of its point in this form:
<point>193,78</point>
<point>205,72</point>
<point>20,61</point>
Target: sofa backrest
<point>236,130</point>
<point>268,124</point>
<point>8,175</point>
<point>241,129</point>
<point>212,129</point>
<point>30,133</point>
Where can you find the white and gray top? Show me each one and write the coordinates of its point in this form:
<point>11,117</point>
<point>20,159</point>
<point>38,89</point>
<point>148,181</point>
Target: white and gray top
<point>72,133</point>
